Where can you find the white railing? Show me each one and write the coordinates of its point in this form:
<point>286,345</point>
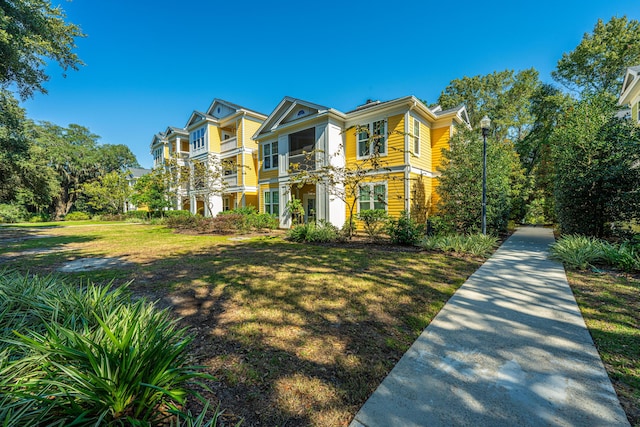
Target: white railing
<point>228,144</point>
<point>231,180</point>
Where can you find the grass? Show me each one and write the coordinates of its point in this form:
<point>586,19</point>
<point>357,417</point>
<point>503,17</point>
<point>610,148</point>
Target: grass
<point>296,334</point>
<point>610,305</point>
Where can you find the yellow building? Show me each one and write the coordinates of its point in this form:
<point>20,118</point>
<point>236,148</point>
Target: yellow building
<point>406,136</point>
<point>217,138</point>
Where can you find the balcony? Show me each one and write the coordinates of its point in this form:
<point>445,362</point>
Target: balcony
<point>231,180</point>
<point>228,144</point>
<point>304,162</point>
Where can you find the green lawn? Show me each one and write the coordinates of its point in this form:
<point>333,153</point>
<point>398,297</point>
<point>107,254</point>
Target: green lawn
<point>302,334</point>
<point>296,334</point>
<point>610,305</point>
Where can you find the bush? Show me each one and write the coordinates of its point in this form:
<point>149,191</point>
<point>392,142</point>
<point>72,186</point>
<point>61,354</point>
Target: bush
<point>181,222</point>
<point>112,217</point>
<point>374,221</point>
<point>142,215</point>
<point>181,213</point>
<point>580,252</point>
<point>12,213</point>
<point>77,216</point>
<point>404,230</point>
<point>87,355</point>
<point>473,244</point>
<point>41,217</point>
<point>323,232</point>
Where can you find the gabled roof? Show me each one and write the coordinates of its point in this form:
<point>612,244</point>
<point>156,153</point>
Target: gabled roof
<point>630,85</point>
<point>138,172</point>
<point>198,116</point>
<point>159,137</point>
<point>289,110</point>
<point>235,108</point>
<point>174,130</point>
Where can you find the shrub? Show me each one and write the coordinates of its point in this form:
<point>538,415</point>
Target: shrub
<point>181,222</point>
<point>41,217</point>
<point>580,252</point>
<point>374,221</point>
<point>112,217</point>
<point>87,355</point>
<point>12,213</point>
<point>404,230</point>
<point>143,215</point>
<point>77,216</point>
<point>473,244</point>
<point>181,213</point>
<point>323,232</point>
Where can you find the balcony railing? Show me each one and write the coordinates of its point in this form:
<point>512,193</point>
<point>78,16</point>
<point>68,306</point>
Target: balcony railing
<point>231,180</point>
<point>228,144</point>
<point>304,162</point>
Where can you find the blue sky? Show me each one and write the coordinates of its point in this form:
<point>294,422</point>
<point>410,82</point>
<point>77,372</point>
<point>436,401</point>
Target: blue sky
<point>149,64</point>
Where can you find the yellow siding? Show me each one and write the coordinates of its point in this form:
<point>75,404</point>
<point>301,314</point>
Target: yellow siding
<point>634,111</point>
<point>424,161</point>
<point>439,141</point>
<point>251,199</point>
<point>250,128</point>
<point>214,138</point>
<point>250,178</point>
<point>269,174</point>
<point>421,197</point>
<point>395,143</point>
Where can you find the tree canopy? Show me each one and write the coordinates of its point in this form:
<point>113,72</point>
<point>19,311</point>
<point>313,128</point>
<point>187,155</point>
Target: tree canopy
<point>32,31</point>
<point>597,64</point>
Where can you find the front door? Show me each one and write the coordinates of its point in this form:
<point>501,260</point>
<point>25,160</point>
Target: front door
<point>309,201</point>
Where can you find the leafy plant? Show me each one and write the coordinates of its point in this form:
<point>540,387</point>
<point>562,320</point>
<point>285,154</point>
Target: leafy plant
<point>322,232</point>
<point>472,244</point>
<point>374,221</point>
<point>578,251</point>
<point>12,213</point>
<point>77,216</point>
<point>88,356</point>
<point>404,230</point>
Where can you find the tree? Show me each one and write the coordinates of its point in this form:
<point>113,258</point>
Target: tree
<point>14,145</point>
<point>597,64</point>
<point>208,179</point>
<point>108,193</point>
<point>151,190</point>
<point>503,96</point>
<point>32,31</point>
<point>460,186</point>
<point>597,167</point>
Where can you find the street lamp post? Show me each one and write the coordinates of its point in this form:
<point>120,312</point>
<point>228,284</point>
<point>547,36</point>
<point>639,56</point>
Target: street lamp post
<point>485,124</point>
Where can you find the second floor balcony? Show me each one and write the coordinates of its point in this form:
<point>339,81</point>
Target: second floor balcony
<point>228,144</point>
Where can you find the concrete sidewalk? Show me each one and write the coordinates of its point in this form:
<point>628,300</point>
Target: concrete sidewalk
<point>510,348</point>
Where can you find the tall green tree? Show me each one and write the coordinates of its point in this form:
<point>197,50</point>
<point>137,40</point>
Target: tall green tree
<point>31,32</point>
<point>597,64</point>
<point>597,167</point>
<point>14,145</point>
<point>460,186</point>
<point>153,191</point>
<point>108,193</point>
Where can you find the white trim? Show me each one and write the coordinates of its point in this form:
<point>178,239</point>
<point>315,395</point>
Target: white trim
<point>271,155</point>
<point>413,137</point>
<point>418,171</point>
<point>385,132</point>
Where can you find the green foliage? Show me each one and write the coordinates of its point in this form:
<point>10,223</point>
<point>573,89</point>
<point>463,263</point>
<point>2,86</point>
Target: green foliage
<point>404,230</point>
<point>108,193</point>
<point>322,232</point>
<point>295,208</point>
<point>141,215</point>
<point>472,244</point>
<point>12,213</point>
<point>152,190</point>
<point>87,355</point>
<point>596,178</point>
<point>31,32</point>
<point>460,185</point>
<point>578,251</point>
<point>180,213</point>
<point>535,212</point>
<point>374,221</point>
<point>77,216</point>
<point>597,64</point>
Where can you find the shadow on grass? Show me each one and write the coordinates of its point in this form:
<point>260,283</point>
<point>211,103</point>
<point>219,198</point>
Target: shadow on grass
<point>302,334</point>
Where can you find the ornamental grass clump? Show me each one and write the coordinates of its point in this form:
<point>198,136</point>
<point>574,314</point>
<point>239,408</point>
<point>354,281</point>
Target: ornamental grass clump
<point>579,252</point>
<point>472,244</point>
<point>85,355</point>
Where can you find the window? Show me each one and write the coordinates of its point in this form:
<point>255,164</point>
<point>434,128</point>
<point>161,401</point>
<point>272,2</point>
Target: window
<point>230,167</point>
<point>272,202</point>
<point>226,206</point>
<point>373,196</point>
<point>157,156</point>
<point>416,137</point>
<point>270,155</point>
<point>372,138</point>
<point>197,139</point>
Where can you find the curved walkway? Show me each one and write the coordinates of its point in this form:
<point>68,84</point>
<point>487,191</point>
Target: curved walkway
<point>510,348</point>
